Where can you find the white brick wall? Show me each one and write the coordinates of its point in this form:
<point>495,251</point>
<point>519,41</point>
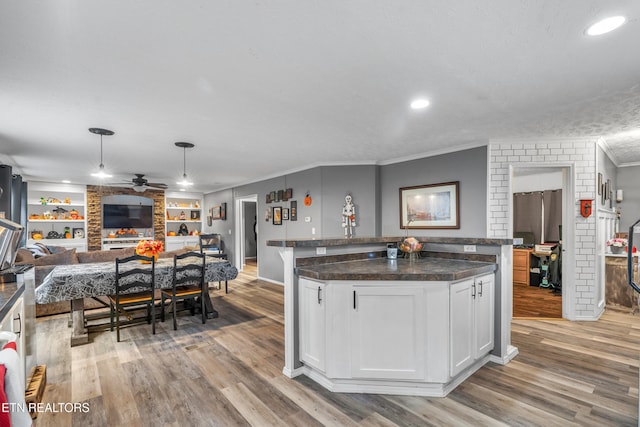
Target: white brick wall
<point>502,154</point>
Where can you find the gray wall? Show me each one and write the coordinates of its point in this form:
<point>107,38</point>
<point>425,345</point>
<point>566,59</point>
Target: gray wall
<point>608,170</point>
<point>469,167</point>
<point>375,194</point>
<point>628,179</point>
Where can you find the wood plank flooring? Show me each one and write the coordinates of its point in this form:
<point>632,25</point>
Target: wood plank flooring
<point>228,373</point>
<point>536,302</point>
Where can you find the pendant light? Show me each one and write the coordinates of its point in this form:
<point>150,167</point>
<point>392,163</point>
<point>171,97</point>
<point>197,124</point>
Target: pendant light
<point>99,131</point>
<point>184,145</point>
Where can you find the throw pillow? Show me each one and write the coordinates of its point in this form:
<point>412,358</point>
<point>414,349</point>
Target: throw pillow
<point>105,256</point>
<point>63,258</point>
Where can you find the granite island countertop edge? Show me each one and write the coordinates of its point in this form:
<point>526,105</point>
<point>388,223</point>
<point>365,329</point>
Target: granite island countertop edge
<point>403,270</point>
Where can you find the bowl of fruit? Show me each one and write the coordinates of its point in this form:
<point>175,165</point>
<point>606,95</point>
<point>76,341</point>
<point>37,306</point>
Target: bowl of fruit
<point>410,245</point>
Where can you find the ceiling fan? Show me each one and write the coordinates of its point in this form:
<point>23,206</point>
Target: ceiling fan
<point>140,183</point>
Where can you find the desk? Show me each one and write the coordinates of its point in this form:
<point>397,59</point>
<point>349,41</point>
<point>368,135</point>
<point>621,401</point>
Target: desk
<point>74,282</point>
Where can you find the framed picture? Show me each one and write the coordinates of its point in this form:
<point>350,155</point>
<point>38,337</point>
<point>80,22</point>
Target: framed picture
<point>285,214</point>
<point>272,196</point>
<point>78,233</point>
<point>288,194</point>
<point>223,211</point>
<point>209,220</point>
<point>430,206</point>
<point>195,215</point>
<point>599,183</point>
<point>277,215</point>
<point>268,199</point>
<point>294,210</point>
<point>280,196</point>
<point>216,212</point>
<point>267,215</point>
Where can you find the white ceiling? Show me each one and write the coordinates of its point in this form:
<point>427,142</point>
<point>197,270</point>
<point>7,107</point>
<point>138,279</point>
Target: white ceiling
<point>266,87</point>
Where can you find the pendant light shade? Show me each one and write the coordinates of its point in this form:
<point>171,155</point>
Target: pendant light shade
<point>184,145</point>
<point>101,172</point>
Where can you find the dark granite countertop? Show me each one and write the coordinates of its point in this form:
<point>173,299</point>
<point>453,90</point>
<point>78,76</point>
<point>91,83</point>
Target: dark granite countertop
<point>422,269</point>
<point>312,243</point>
<point>9,294</point>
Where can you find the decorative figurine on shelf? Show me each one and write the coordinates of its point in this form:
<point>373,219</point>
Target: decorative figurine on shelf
<point>43,201</point>
<point>196,205</point>
<point>183,215</point>
<point>348,216</point>
<point>183,230</point>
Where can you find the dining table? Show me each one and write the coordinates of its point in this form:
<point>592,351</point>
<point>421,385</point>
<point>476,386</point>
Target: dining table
<point>75,282</point>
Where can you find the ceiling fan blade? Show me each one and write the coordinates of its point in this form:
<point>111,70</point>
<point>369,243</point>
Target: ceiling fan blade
<point>158,185</point>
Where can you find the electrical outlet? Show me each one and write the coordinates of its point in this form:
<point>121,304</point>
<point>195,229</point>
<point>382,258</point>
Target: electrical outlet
<point>321,251</point>
<point>469,248</point>
<point>307,219</point>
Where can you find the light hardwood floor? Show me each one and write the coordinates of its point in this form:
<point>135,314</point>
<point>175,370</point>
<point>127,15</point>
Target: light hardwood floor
<point>228,372</point>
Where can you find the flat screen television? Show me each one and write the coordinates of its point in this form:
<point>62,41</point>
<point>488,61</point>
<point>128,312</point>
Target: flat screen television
<point>127,216</point>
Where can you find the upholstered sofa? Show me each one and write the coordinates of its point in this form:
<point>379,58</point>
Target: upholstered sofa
<point>45,258</point>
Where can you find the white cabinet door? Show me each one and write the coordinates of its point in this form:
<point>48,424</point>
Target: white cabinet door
<point>387,330</point>
<point>14,322</point>
<point>483,314</point>
<point>461,352</point>
<point>312,324</point>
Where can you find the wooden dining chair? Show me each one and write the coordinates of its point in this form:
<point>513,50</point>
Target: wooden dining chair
<point>187,284</point>
<point>135,288</point>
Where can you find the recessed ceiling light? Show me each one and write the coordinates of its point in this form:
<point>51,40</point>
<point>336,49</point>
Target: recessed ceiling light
<point>606,25</point>
<point>66,181</point>
<point>419,104</point>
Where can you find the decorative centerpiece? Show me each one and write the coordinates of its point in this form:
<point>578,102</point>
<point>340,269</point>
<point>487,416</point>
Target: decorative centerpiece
<point>411,246</point>
<point>617,245</point>
<point>149,248</point>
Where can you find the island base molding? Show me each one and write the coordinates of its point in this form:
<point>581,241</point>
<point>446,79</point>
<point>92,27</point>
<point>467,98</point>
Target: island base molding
<point>397,388</point>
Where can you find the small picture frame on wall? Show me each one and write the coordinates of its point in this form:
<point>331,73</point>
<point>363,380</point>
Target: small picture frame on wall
<point>223,211</point>
<point>599,184</point>
<point>195,215</point>
<point>294,210</point>
<point>272,196</point>
<point>267,215</point>
<point>288,193</point>
<point>268,198</point>
<point>285,214</point>
<point>280,196</point>
<point>209,222</point>
<point>277,215</point>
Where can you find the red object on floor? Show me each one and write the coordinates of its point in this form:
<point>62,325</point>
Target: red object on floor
<point>5,418</point>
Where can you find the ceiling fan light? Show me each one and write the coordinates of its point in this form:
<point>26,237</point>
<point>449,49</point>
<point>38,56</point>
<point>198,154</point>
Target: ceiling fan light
<point>139,188</point>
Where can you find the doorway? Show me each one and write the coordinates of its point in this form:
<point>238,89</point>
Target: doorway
<point>246,224</point>
<point>541,291</point>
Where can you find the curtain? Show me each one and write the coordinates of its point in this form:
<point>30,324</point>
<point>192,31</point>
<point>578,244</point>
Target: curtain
<point>527,214</point>
<point>552,200</point>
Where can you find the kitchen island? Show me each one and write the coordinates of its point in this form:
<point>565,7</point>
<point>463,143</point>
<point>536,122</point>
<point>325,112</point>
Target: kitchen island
<point>358,322</point>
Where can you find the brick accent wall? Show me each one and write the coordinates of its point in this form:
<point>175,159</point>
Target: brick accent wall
<point>94,212</point>
<point>582,154</point>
